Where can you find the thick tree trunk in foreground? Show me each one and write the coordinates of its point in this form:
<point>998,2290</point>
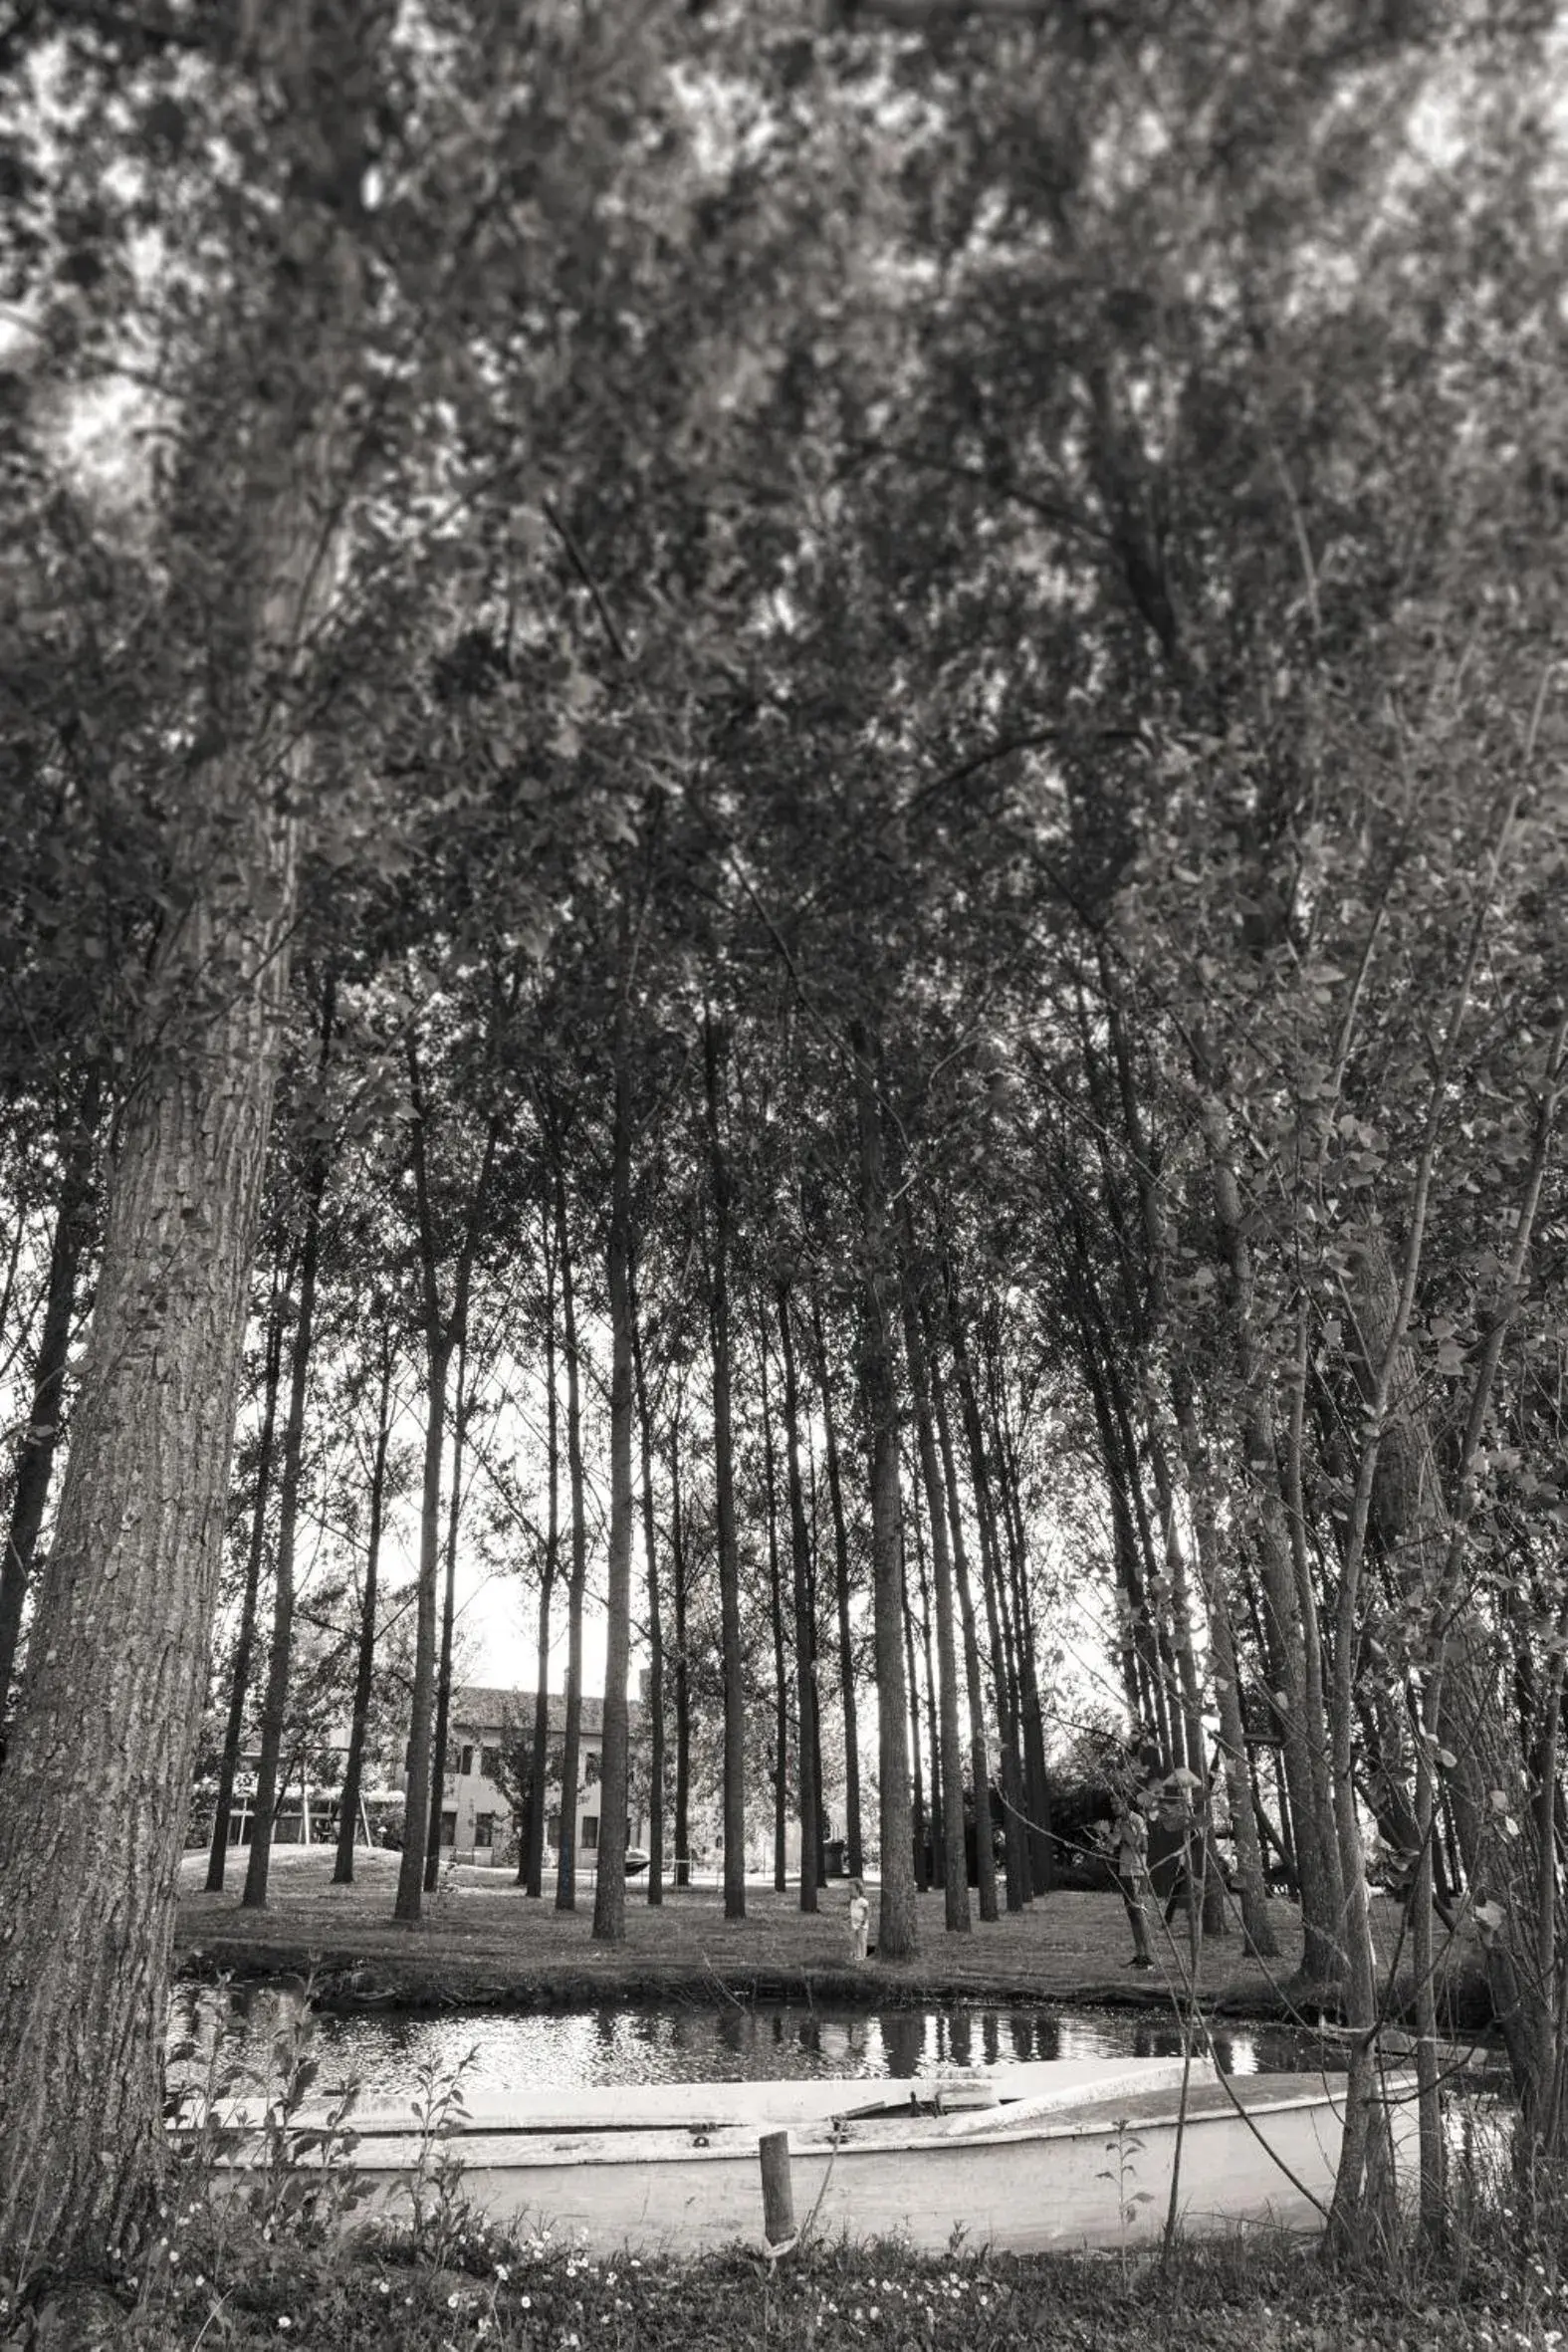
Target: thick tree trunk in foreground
<point>724,1486</point>
<point>896,1935</point>
<point>92,1805</point>
<point>41,1440</point>
<point>245,1638</point>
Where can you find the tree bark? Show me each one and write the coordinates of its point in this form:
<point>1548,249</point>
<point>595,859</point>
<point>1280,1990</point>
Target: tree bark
<point>93,1802</point>
<point>780,1774</point>
<point>364,1664</point>
<point>577,1582</point>
<point>610,1892</point>
<point>245,1636</point>
<point>656,1725</point>
<point>280,1663</point>
<point>714,1054</point>
<point>804,1625</point>
<point>531,1860</point>
<point>918,1841</point>
<point>1257,1926</point>
<point>853,1830</point>
<point>443,1691</point>
<point>980,1759</point>
<point>1015,1850</point>
<point>896,1933</point>
<point>955,1875</point>
<point>683,1708</point>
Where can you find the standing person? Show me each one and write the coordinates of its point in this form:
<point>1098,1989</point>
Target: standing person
<point>1130,1834</point>
<point>859,1920</point>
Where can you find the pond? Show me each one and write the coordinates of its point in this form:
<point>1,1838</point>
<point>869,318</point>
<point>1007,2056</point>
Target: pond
<point>724,2041</point>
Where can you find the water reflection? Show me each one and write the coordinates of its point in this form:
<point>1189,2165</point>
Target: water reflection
<point>686,2043</point>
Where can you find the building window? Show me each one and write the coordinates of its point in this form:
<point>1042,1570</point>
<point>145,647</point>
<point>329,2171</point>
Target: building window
<point>484,1829</point>
<point>591,1833</point>
<point>466,1762</point>
<point>591,1767</point>
<point>552,1829</point>
<point>489,1762</point>
<point>449,1829</point>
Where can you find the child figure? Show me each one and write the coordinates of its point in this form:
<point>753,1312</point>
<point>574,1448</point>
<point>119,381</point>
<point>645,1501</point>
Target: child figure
<point>859,1920</point>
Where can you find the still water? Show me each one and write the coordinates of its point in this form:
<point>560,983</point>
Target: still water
<point>392,2052</point>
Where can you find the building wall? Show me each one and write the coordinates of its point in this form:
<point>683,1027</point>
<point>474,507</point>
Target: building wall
<point>476,1820</point>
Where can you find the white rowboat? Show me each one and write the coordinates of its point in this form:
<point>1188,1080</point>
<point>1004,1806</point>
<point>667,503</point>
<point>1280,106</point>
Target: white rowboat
<point>1030,2158</point>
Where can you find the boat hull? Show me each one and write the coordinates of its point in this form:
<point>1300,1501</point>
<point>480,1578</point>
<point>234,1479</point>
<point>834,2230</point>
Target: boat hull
<point>1053,2169</point>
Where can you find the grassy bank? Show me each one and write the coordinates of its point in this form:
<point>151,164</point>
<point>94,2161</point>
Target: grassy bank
<point>506,2296</point>
<point>484,1942</point>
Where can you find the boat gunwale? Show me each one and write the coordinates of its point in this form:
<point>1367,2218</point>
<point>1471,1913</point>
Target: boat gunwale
<point>733,2144</point>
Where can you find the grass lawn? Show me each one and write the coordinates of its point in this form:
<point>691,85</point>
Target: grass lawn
<point>483,1941</point>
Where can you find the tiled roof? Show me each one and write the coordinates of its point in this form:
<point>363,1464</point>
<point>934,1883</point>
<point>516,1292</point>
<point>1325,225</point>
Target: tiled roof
<point>481,1707</point>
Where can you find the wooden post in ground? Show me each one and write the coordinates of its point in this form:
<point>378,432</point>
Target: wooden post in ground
<point>778,2231</point>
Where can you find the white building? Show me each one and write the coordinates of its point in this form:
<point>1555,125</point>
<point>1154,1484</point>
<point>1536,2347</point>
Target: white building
<point>476,1814</point>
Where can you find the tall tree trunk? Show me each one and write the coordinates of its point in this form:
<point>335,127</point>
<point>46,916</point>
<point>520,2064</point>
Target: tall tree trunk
<point>279,1664</point>
<point>1031,1719</point>
<point>932,1726</point>
<point>979,1761</point>
<point>955,1875</point>
<point>531,1860</point>
<point>656,1724</point>
<point>577,1585</point>
<point>804,1625</point>
<point>1016,1852</point>
<point>896,1933</point>
<point>40,1440</point>
<point>1257,1926</point>
<point>1320,1854</point>
<point>714,1054</point>
<point>461,1407</point>
<point>853,1833</point>
<point>92,1805</point>
<point>775,1619</point>
<point>919,1845</point>
<point>364,1664</point>
<point>408,1902</point>
<point>609,1893</point>
<point>245,1636</point>
<point>445,1333</point>
<point>683,1707</point>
